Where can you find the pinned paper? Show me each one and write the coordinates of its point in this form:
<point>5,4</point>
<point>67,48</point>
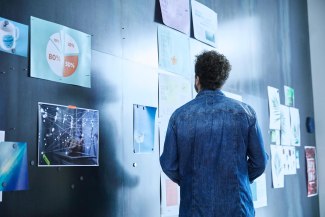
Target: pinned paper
<point>312,181</point>
<point>143,128</point>
<point>274,108</point>
<point>205,23</point>
<point>68,135</point>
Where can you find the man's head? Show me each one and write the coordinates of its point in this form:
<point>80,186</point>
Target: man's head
<point>211,70</point>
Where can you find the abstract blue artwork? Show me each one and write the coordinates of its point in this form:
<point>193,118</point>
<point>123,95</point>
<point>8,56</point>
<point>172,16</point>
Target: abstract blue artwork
<point>13,166</point>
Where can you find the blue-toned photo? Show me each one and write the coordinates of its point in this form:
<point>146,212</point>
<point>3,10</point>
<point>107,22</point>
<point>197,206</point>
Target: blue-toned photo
<point>68,136</point>
<point>143,128</point>
<point>13,37</point>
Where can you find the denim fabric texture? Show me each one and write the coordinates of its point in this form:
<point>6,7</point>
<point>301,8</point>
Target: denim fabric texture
<point>214,150</point>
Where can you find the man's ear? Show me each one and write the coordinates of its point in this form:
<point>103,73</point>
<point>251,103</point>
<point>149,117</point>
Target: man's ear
<point>197,83</point>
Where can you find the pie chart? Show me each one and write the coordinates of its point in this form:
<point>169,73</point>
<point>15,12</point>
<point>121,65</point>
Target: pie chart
<point>62,54</point>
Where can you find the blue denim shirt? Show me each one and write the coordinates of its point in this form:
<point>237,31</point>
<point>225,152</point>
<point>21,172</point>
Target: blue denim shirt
<point>213,150</point>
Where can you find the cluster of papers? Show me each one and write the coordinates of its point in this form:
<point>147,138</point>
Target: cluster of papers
<point>285,135</point>
<point>285,140</point>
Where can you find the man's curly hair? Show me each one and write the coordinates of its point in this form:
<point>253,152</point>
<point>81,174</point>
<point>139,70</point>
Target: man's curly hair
<point>213,69</point>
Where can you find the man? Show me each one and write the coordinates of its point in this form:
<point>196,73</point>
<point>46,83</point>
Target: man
<point>213,148</point>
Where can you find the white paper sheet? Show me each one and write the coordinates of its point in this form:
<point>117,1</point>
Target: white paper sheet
<point>258,188</point>
<point>174,51</point>
<point>2,136</point>
<point>295,126</point>
<point>297,159</point>
<point>174,91</point>
<point>289,96</point>
<point>285,125</point>
<point>176,14</point>
<point>170,197</point>
<point>289,163</point>
<point>275,137</point>
<point>205,23</point>
<point>277,166</point>
<point>274,107</point>
<point>163,124</point>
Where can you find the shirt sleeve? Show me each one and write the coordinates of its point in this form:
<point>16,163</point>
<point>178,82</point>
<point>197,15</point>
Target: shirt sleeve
<point>169,158</point>
<point>257,157</point>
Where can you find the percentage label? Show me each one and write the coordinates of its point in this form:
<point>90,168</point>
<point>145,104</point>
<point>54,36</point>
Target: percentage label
<point>54,57</point>
<point>69,65</point>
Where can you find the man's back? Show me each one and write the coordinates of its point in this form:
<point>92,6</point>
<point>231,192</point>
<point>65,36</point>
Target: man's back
<point>206,149</point>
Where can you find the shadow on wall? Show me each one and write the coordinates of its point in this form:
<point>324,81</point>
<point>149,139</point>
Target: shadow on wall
<point>99,190</point>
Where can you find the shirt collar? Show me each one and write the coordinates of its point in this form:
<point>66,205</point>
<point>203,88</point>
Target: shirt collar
<point>210,92</point>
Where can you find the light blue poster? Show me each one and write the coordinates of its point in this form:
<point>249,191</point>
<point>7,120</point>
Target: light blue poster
<point>174,51</point>
<point>13,166</point>
<point>59,53</point>
<point>143,128</point>
<point>13,37</point>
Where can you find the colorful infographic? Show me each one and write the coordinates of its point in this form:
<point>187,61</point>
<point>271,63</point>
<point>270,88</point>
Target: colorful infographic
<point>13,37</point>
<point>143,128</point>
<point>68,136</point>
<point>59,53</point>
<point>13,166</point>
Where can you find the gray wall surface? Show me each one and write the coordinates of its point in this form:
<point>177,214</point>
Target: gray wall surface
<point>267,43</point>
<point>316,17</point>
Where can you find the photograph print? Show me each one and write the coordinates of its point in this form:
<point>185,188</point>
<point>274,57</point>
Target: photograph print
<point>68,136</point>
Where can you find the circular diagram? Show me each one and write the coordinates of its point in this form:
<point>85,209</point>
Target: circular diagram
<point>62,54</point>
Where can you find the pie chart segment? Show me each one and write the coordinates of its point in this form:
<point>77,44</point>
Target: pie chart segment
<point>62,54</point>
<point>70,65</point>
